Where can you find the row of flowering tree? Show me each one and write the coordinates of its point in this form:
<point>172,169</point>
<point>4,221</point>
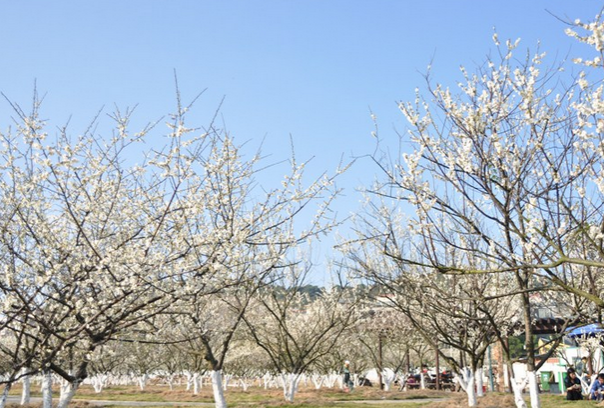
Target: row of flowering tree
<point>100,232</point>
<point>503,178</point>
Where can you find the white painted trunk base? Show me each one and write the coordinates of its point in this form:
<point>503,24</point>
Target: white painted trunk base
<point>4,395</point>
<point>517,388</point>
<point>219,400</point>
<point>26,392</point>
<point>533,389</point>
<point>67,393</point>
<point>142,381</point>
<point>290,386</point>
<point>317,380</point>
<point>467,381</point>
<point>195,381</point>
<point>479,383</point>
<point>388,378</point>
<point>47,389</point>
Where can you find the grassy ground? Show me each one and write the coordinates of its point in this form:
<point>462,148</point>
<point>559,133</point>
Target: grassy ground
<point>363,397</point>
<point>255,397</point>
<point>499,400</point>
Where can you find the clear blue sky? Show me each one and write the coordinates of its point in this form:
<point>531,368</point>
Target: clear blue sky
<point>311,69</point>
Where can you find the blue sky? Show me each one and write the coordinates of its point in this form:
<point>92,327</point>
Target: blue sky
<point>311,69</point>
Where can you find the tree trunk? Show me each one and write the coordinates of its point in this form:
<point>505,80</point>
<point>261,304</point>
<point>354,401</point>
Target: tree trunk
<point>317,380</point>
<point>479,383</point>
<point>402,382</point>
<point>380,366</point>
<point>437,369</point>
<point>290,386</point>
<point>467,381</point>
<point>533,389</point>
<point>225,382</point>
<point>47,388</point>
<point>266,379</point>
<point>98,382</point>
<point>195,381</point>
<point>517,390</point>
<point>388,380</point>
<point>67,393</point>
<point>332,379</point>
<point>189,380</point>
<point>530,357</point>
<point>219,399</point>
<point>142,381</point>
<point>26,392</point>
<point>7,387</point>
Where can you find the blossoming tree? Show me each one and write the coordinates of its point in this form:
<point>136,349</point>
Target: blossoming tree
<point>101,234</point>
<point>507,171</point>
<point>296,332</point>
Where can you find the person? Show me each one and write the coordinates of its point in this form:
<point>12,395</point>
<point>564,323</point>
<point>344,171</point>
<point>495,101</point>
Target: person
<point>596,392</point>
<point>348,384</point>
<point>572,383</point>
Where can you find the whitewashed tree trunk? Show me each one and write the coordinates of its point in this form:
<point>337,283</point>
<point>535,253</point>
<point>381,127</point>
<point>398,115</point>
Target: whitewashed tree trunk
<point>47,389</point>
<point>189,380</point>
<point>226,379</point>
<point>468,383</point>
<point>63,388</point>
<point>402,380</point>
<point>479,383</point>
<point>170,381</point>
<point>533,389</point>
<point>517,388</point>
<point>26,392</point>
<point>219,400</point>
<point>196,380</point>
<point>266,379</point>
<point>422,381</point>
<point>290,385</point>
<point>585,386</point>
<point>244,384</point>
<point>4,397</point>
<point>388,379</point>
<point>99,382</point>
<point>142,381</point>
<point>68,391</point>
<point>317,380</point>
<point>331,379</point>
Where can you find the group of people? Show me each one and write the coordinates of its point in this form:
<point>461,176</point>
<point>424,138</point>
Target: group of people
<point>574,392</point>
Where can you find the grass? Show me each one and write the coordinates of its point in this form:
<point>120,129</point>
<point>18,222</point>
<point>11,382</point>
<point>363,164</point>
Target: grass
<point>257,397</point>
<point>500,400</point>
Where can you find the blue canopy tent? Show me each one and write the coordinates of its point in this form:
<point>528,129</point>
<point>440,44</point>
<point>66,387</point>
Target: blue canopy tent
<point>586,331</point>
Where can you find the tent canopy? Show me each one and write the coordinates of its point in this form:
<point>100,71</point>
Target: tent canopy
<point>586,331</point>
